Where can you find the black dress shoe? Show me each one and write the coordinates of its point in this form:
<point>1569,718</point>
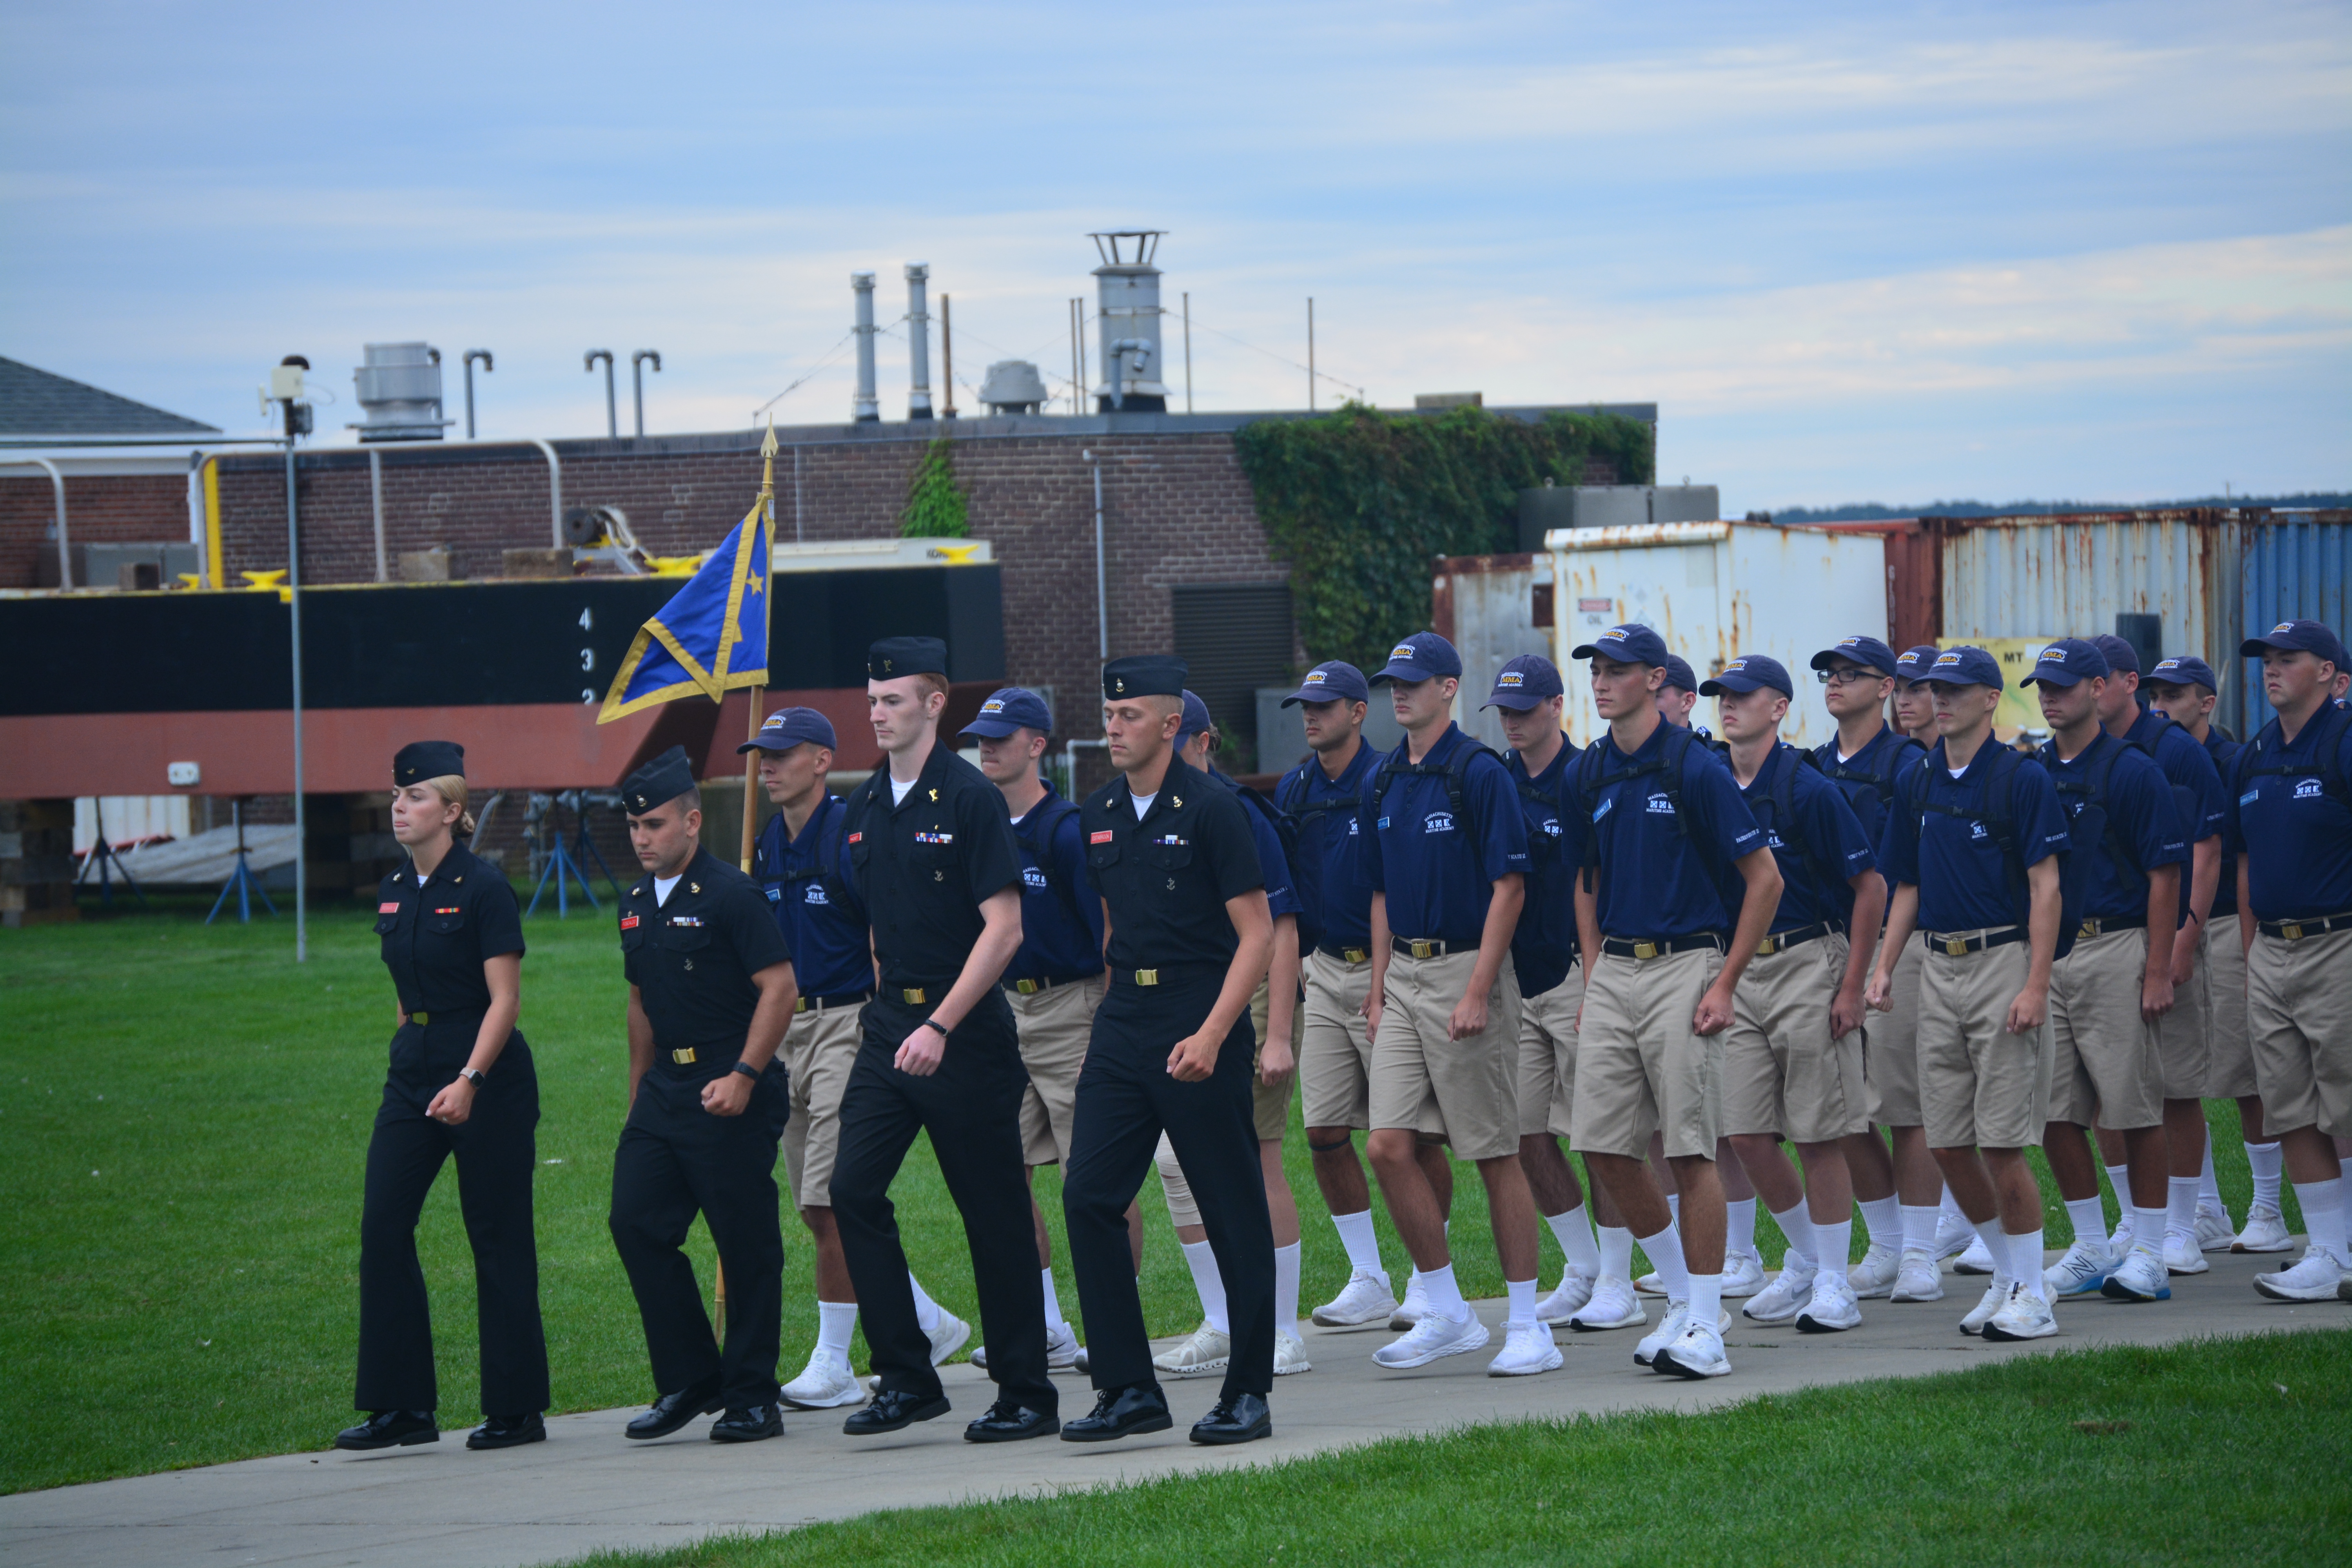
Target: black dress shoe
<point>893,1411</point>
<point>1009,1422</point>
<point>1121,1413</point>
<point>749,1425</point>
<point>1244,1418</point>
<point>507,1431</point>
<point>389,1429</point>
<point>672,1411</point>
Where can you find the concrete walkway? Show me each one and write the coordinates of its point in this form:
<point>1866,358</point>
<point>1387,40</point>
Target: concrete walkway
<point>587,1488</point>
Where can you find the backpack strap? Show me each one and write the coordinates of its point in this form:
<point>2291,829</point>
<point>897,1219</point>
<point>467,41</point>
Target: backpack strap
<point>2256,759</point>
<point>1786,823</point>
<point>1044,823</point>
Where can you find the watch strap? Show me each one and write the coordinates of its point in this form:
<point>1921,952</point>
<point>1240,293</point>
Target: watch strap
<point>474,1076</point>
<point>746,1068</point>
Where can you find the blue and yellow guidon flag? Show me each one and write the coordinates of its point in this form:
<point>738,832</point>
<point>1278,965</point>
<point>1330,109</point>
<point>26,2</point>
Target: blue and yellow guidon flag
<point>711,636</point>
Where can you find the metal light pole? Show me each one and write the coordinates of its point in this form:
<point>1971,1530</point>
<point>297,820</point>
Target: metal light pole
<point>638,377</point>
<point>1102,580</point>
<point>286,385</point>
<point>612,409</point>
<point>471,355</point>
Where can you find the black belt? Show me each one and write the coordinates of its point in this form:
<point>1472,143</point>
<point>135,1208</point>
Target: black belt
<point>1168,973</point>
<point>920,995</point>
<point>1958,946</point>
<point>421,1016</point>
<point>1659,947</point>
<point>2096,925</point>
<point>1346,954</point>
<point>1781,942</point>
<point>1035,987</point>
<point>1428,946</point>
<point>842,999</point>
<point>2311,925</point>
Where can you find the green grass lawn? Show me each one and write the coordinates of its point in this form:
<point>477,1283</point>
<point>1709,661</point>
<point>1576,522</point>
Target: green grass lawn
<point>183,1122</point>
<point>2226,1451</point>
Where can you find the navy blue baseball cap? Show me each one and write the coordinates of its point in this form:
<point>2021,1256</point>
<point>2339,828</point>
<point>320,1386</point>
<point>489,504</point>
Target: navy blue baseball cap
<point>1680,674</point>
<point>1334,679</point>
<point>1013,708</point>
<point>2185,669</point>
<point>787,728</point>
<point>1524,682</point>
<point>1196,719</point>
<point>1861,650</point>
<point>1631,643</point>
<point>1965,667</point>
<point>1747,672</point>
<point>1424,655</point>
<point>2121,657</point>
<point>1912,663</point>
<point>2311,636</point>
<point>2070,661</point>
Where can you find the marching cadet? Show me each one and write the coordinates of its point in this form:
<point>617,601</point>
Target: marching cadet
<point>2185,688</point>
<point>1168,851</point>
<point>2290,818</point>
<point>1055,980</point>
<point>1323,795</point>
<point>461,1083</point>
<point>1660,834</point>
<point>933,868</point>
<point>1914,700</point>
<point>1792,1055</point>
<point>711,996</point>
<point>1971,856</point>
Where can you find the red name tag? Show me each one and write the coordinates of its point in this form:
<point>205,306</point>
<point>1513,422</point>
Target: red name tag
<point>1103,837</point>
<point>387,908</point>
<point>855,837</point>
<point>628,922</point>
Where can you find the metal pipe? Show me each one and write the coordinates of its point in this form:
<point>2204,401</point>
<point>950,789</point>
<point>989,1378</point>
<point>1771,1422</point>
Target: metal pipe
<point>863,409</point>
<point>919,343</point>
<point>1102,578</point>
<point>1074,358</point>
<point>64,556</point>
<point>376,489</point>
<point>611,410</point>
<point>471,355</point>
<point>1140,348</point>
<point>1310,354</point>
<point>1070,760</point>
<point>555,484</point>
<point>637,376</point>
<point>1082,333</point>
<point>947,359</point>
<point>294,605</point>
<point>1188,353</point>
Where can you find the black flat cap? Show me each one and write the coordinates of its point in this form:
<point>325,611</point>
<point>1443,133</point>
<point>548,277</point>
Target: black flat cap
<point>421,759</point>
<point>658,783</point>
<point>1145,674</point>
<point>894,656</point>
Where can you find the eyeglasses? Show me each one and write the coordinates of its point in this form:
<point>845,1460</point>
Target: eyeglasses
<point>1845,676</point>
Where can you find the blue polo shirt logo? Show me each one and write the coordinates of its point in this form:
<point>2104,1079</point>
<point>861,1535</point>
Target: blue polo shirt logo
<point>1976,830</point>
<point>816,895</point>
<point>1660,806</point>
<point>1438,822</point>
<point>1033,879</point>
<point>2309,789</point>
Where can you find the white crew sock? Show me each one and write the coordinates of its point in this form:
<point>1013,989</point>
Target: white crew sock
<point>1522,1293</point>
<point>2323,1213</point>
<point>1208,1283</point>
<point>2119,1178</point>
<point>2126,1225</point>
<point>1445,1295</point>
<point>927,1311</point>
<point>1919,1223</point>
<point>1053,1318</point>
<point>1363,1246</point>
<point>1797,1226</point>
<point>1996,1242</point>
<point>2209,1186</point>
<point>836,1321</point>
<point>1286,1288</point>
<point>1882,1221</point>
<point>1666,1254</point>
<point>2090,1219</point>
<point>1707,1299</point>
<point>2147,1231</point>
<point>1574,1231</point>
<point>1615,1245</point>
<point>1739,1224</point>
<point>2025,1259</point>
<point>2181,1208</point>
<point>1948,1205</point>
<point>2266,1161</point>
<point>1832,1245</point>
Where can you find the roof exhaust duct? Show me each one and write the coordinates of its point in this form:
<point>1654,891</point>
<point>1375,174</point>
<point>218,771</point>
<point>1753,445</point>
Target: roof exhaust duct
<point>400,392</point>
<point>1128,292</point>
<point>918,342</point>
<point>863,409</point>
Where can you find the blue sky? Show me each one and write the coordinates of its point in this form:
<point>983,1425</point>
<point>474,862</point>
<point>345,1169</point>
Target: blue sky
<point>1853,252</point>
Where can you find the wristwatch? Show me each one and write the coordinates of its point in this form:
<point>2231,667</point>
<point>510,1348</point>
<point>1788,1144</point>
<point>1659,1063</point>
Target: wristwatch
<point>474,1076</point>
<point>747,1069</point>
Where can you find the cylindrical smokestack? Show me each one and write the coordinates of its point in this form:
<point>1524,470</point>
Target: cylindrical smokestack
<point>919,343</point>
<point>865,408</point>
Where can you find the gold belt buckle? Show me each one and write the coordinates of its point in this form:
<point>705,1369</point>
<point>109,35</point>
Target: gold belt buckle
<point>420,1017</point>
<point>800,1003</point>
<point>2089,928</point>
<point>1423,948</point>
<point>1955,946</point>
<point>684,1057</point>
<point>1355,955</point>
<point>1147,977</point>
<point>912,996</point>
<point>1767,947</point>
<point>2291,929</point>
<point>1646,950</point>
<point>1028,988</point>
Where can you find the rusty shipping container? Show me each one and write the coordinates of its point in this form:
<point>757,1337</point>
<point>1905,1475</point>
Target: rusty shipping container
<point>2296,566</point>
<point>1492,608</point>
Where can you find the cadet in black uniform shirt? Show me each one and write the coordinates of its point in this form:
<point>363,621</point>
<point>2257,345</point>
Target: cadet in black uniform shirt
<point>1191,936</point>
<point>711,994</point>
<point>932,865</point>
<point>461,1083</point>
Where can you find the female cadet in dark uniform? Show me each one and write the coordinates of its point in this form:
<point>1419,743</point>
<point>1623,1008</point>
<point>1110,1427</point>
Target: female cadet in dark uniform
<point>461,1083</point>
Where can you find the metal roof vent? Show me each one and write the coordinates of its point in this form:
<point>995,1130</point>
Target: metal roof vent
<point>1013,387</point>
<point>399,389</point>
<point>1127,290</point>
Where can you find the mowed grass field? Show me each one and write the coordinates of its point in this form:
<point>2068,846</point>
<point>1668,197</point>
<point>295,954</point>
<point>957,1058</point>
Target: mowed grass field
<point>184,1122</point>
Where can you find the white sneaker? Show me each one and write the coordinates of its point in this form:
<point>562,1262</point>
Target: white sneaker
<point>2182,1255</point>
<point>1781,1301</point>
<point>1365,1298</point>
<point>1613,1306</point>
<point>2026,1315</point>
<point>1431,1338</point>
<point>1574,1290</point>
<point>1289,1356</point>
<point>1062,1350</point>
<point>2214,1231</point>
<point>1918,1280</point>
<point>1650,1284</point>
<point>2138,1278</point>
<point>1206,1352</point>
<point>1974,1258</point>
<point>1527,1349</point>
<point>1874,1274</point>
<point>1645,1351</point>
<point>2081,1272</point>
<point>1743,1274</point>
<point>825,1384</point>
<point>1698,1352</point>
<point>1412,1308</point>
<point>948,1337</point>
<point>1996,1297</point>
<point>2313,1278</point>
<point>1953,1234</point>
<point>2265,1232</point>
<point>1833,1309</point>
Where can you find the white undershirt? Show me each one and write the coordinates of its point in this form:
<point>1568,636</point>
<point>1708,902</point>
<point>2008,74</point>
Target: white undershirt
<point>1143,803</point>
<point>1956,772</point>
<point>662,885</point>
<point>899,791</point>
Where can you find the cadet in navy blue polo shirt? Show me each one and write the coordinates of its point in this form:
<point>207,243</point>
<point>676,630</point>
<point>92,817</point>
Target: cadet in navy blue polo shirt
<point>1657,822</point>
<point>2290,816</point>
<point>2107,996</point>
<point>1792,1055</point>
<point>1447,858</point>
<point>1914,703</point>
<point>1970,854</point>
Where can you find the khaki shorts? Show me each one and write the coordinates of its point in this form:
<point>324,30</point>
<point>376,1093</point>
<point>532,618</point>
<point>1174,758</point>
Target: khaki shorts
<point>818,1051</point>
<point>2105,1067</point>
<point>1270,1104</point>
<point>1782,1072</point>
<point>2230,1058</point>
<point>1548,1056</point>
<point>1470,1081</point>
<point>2299,1021</point>
<point>2183,1050</point>
<point>1890,1047</point>
<point>1054,1027</point>
<point>1640,1067</point>
<point>1979,1086</point>
<point>1335,1054</point>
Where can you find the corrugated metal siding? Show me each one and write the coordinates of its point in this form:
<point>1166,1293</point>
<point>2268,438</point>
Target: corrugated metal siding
<point>1485,605</point>
<point>2296,568</point>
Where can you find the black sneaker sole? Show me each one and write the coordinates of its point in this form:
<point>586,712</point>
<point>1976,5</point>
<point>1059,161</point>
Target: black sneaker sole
<point>1071,1434</point>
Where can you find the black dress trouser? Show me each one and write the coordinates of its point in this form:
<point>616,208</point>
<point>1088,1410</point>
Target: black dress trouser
<point>971,1108</point>
<point>676,1159</point>
<point>496,1152</point>
<point>1125,1097</point>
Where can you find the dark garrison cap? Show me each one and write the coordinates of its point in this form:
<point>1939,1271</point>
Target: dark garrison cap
<point>421,759</point>
<point>787,728</point>
<point>658,783</point>
<point>1145,674</point>
<point>894,656</point>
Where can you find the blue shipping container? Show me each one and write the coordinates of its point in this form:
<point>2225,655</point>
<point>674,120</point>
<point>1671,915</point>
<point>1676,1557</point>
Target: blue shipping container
<point>2294,568</point>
